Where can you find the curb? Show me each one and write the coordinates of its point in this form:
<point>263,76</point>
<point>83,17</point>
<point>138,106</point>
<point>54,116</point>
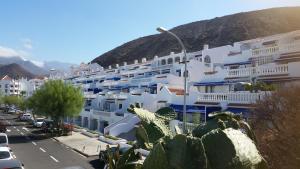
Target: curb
<point>78,151</point>
<point>82,153</point>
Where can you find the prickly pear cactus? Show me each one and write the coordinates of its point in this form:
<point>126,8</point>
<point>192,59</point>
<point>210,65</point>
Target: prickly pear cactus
<point>157,158</point>
<point>142,138</point>
<point>186,152</point>
<point>224,142</point>
<point>222,121</point>
<point>154,125</point>
<point>179,152</point>
<point>231,149</point>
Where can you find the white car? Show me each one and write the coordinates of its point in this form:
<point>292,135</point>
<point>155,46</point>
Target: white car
<point>5,154</point>
<point>3,140</point>
<point>11,111</point>
<point>38,122</point>
<point>26,117</point>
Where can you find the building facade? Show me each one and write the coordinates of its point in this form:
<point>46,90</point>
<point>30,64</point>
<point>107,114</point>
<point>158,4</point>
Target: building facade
<point>216,81</point>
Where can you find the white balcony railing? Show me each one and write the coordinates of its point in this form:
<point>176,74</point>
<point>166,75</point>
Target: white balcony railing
<point>290,47</point>
<point>102,113</point>
<point>243,72</point>
<point>282,48</point>
<point>89,95</point>
<point>272,70</point>
<point>239,98</point>
<point>258,71</point>
<point>265,51</point>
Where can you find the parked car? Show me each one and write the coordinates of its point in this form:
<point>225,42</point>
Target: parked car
<point>38,122</point>
<point>47,125</point>
<point>5,154</point>
<point>103,155</point>
<point>12,111</point>
<point>11,164</point>
<point>3,140</point>
<point>2,127</point>
<point>26,117</point>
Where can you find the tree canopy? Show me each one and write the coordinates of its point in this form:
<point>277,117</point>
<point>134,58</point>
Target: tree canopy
<point>12,100</point>
<point>57,99</point>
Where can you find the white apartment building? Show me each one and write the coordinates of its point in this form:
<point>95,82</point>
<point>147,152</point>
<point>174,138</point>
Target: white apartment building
<point>214,82</point>
<point>9,86</point>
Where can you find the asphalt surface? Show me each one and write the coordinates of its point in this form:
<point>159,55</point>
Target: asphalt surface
<point>37,152</point>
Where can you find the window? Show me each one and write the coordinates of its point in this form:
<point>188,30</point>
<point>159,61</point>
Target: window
<point>120,106</point>
<point>179,72</point>
<point>3,139</point>
<point>170,61</point>
<point>4,154</point>
<point>207,59</point>
<point>177,59</point>
<point>163,62</point>
<point>166,71</point>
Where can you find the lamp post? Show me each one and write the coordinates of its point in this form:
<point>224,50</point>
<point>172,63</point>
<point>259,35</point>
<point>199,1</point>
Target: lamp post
<point>185,74</point>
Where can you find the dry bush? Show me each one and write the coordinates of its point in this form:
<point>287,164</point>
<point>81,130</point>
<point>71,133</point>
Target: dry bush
<point>276,122</point>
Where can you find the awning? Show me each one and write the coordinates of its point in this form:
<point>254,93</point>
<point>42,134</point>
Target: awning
<point>210,83</point>
<point>238,63</point>
<point>189,108</point>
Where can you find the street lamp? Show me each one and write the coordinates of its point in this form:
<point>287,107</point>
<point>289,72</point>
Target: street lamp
<point>185,74</point>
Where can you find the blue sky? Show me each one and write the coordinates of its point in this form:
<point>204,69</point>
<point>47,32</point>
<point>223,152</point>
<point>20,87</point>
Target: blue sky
<point>79,30</point>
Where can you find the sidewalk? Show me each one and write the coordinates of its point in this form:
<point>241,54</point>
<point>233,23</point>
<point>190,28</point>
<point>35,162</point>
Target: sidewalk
<point>82,144</point>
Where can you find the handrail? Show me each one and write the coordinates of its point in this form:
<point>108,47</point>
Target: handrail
<point>107,128</point>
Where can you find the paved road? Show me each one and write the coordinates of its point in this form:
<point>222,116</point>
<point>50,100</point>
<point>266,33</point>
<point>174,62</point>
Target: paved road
<point>36,152</point>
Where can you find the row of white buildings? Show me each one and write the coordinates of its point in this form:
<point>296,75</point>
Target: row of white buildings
<point>18,87</point>
<point>215,82</point>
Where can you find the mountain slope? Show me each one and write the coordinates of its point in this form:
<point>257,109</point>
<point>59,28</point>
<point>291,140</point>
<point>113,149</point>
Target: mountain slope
<point>215,32</point>
<point>25,64</point>
<point>15,71</point>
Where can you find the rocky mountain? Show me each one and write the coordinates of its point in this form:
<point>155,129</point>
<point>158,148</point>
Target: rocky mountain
<point>25,64</point>
<point>215,32</point>
<point>15,71</point>
<point>41,69</point>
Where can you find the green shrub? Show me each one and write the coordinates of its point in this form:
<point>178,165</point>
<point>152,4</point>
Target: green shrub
<point>111,137</point>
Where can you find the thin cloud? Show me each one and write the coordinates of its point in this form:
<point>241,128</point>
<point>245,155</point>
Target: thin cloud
<point>8,52</point>
<point>27,43</point>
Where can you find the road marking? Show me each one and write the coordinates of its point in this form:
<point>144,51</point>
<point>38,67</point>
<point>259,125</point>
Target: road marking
<point>42,150</point>
<point>18,130</point>
<point>26,129</point>
<point>22,133</point>
<point>14,127</point>
<point>33,143</point>
<point>8,130</point>
<point>54,159</point>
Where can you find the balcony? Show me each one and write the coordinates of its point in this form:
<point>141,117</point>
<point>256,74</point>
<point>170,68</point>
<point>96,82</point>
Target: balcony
<point>258,71</point>
<point>265,51</point>
<point>89,95</point>
<point>290,48</point>
<point>102,113</point>
<point>236,98</point>
<point>280,49</point>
